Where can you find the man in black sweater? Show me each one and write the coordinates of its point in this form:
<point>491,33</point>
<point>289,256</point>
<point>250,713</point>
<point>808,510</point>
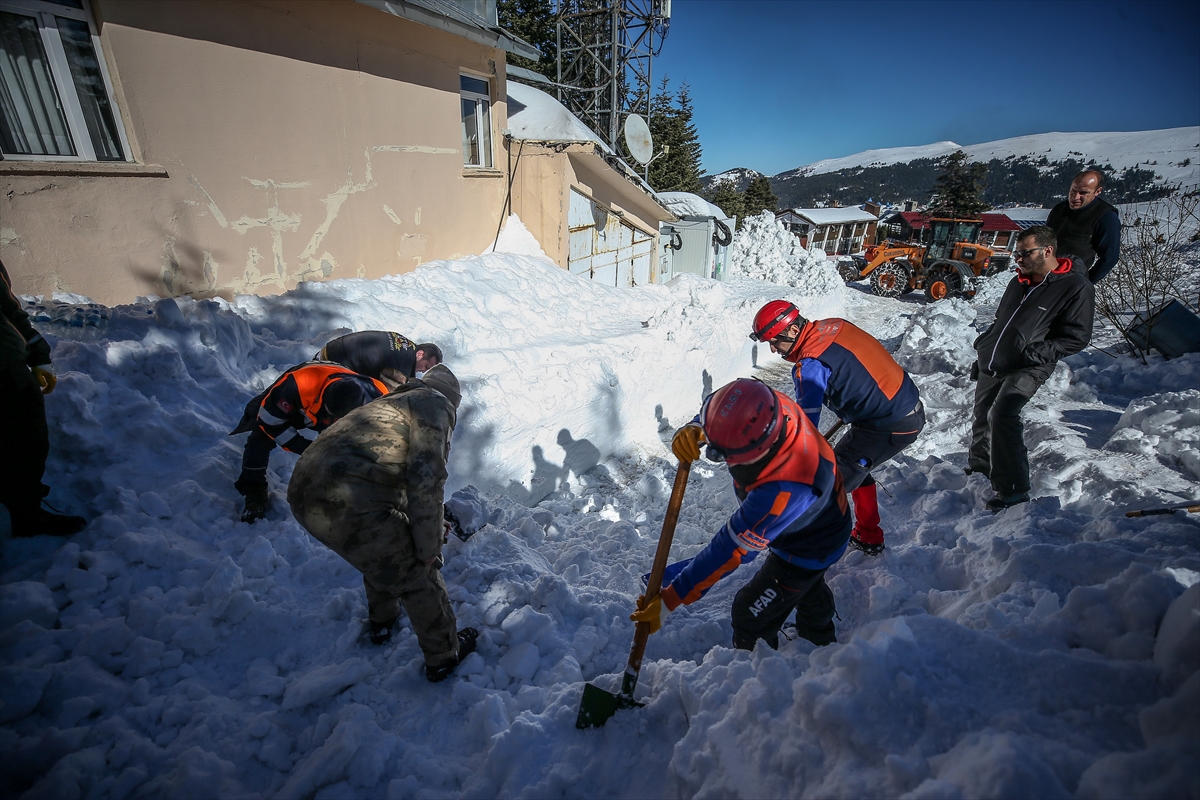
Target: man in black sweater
<point>1045,315</point>
<point>1087,227</point>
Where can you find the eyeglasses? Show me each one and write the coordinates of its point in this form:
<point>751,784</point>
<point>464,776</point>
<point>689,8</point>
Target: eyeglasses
<point>1025,253</point>
<point>782,343</point>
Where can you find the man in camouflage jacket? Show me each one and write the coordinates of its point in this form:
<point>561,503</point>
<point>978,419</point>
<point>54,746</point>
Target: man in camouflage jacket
<point>371,489</point>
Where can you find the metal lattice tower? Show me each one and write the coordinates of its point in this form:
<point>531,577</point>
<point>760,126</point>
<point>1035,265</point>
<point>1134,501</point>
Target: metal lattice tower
<point>605,49</point>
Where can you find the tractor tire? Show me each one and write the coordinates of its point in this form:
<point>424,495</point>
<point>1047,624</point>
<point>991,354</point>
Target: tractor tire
<point>942,284</point>
<point>890,279</point>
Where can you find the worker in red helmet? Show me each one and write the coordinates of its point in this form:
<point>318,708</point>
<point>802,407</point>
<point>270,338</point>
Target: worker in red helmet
<point>839,365</point>
<point>793,509</point>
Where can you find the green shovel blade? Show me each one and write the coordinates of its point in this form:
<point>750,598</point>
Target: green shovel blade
<point>598,705</point>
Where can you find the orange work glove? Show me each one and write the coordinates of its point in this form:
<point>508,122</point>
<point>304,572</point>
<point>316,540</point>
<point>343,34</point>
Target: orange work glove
<point>45,377</point>
<point>686,444</point>
<point>653,613</point>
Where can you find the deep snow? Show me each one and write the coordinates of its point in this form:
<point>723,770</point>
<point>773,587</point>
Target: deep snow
<point>169,650</point>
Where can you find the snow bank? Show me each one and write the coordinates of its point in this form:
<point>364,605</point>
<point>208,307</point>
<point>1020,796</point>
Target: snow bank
<point>169,650</point>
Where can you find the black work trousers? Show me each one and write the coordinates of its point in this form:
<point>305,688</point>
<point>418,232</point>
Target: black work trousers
<point>255,457</point>
<point>863,449</point>
<point>762,606</point>
<point>24,440</point>
<point>997,434</point>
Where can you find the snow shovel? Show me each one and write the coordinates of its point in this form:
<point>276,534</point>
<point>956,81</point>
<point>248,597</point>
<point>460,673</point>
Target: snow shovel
<point>1192,506</point>
<point>598,705</point>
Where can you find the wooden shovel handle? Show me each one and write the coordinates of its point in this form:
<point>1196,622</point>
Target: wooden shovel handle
<point>654,584</point>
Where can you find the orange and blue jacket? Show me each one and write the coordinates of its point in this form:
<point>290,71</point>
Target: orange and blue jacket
<point>796,508</point>
<point>309,398</point>
<point>840,365</point>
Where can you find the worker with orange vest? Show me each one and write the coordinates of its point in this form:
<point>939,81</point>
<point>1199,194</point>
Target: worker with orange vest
<point>841,366</point>
<point>304,401</point>
<point>793,510</point>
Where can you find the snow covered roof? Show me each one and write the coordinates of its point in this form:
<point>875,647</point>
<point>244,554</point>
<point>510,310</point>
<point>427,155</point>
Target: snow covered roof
<point>1027,217</point>
<point>533,114</point>
<point>686,204</point>
<point>834,216</point>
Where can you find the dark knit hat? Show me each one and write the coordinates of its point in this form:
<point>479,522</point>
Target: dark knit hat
<point>440,377</point>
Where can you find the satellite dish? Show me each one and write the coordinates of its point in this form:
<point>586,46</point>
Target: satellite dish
<point>637,139</point>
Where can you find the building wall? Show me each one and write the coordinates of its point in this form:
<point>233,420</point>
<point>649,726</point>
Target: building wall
<point>543,178</point>
<point>296,141</point>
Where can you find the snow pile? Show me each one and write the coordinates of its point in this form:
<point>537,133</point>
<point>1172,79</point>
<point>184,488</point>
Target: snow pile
<point>516,239</point>
<point>764,250</point>
<point>533,114</point>
<point>939,339</point>
<point>169,650</point>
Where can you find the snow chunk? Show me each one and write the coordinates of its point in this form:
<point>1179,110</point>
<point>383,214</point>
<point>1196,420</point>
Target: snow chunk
<point>1165,424</point>
<point>522,661</point>
<point>1177,648</point>
<point>325,682</point>
<point>27,600</point>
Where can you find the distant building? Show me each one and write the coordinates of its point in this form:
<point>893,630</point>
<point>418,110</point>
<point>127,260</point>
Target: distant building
<point>837,231</point>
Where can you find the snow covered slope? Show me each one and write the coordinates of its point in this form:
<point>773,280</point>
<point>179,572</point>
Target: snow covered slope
<point>1169,148</point>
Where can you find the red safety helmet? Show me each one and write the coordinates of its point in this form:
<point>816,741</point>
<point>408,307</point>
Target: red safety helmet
<point>773,319</point>
<point>741,421</point>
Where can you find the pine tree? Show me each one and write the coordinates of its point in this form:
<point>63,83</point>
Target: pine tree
<point>534,21</point>
<point>671,126</point>
<point>957,192</point>
<point>759,197</point>
<point>725,196</point>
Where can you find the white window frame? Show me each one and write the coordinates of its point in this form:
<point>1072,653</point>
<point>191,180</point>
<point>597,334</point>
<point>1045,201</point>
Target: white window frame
<point>483,113</point>
<point>64,84</point>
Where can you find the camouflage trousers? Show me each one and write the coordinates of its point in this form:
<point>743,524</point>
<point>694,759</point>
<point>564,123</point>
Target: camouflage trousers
<point>374,538</point>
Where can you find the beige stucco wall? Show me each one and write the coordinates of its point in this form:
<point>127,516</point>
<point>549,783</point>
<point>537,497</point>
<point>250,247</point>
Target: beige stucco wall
<point>543,178</point>
<point>301,140</point>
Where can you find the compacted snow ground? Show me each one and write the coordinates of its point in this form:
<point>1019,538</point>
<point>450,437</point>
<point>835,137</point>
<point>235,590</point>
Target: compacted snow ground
<point>169,650</point>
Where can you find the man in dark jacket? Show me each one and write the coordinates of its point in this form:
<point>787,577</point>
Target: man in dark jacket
<point>1087,227</point>
<point>1045,315</point>
<point>369,352</point>
<point>25,376</point>
<point>301,403</point>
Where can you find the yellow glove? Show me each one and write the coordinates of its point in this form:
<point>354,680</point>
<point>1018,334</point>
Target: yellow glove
<point>45,377</point>
<point>653,613</point>
<point>686,444</point>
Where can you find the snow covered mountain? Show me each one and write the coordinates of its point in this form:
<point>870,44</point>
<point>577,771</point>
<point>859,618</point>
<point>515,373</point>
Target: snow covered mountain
<point>1172,153</point>
<point>740,177</point>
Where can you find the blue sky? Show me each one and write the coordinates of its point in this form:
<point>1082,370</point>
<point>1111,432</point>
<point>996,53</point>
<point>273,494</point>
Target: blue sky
<point>777,85</point>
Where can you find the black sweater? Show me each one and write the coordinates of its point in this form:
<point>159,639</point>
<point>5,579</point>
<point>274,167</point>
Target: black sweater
<point>1038,325</point>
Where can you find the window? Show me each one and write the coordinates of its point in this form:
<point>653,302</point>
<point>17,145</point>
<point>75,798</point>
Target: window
<point>476,121</point>
<point>55,98</point>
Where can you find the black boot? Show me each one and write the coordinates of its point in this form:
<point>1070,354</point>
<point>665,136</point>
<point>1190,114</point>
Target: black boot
<point>40,522</point>
<point>466,646</point>
<point>258,499</point>
<point>381,632</point>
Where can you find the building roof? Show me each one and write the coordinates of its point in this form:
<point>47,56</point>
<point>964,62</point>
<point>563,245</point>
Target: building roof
<point>998,222</point>
<point>454,17</point>
<point>834,216</point>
